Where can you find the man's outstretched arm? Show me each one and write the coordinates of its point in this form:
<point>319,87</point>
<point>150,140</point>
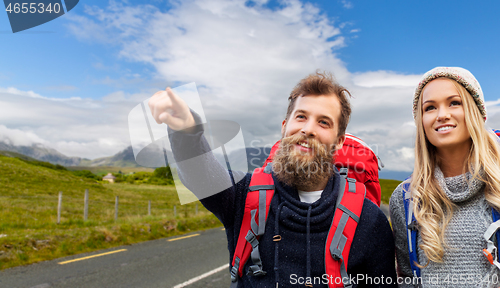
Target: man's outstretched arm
<point>198,170</point>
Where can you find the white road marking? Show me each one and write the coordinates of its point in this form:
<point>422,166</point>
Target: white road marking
<point>195,279</point>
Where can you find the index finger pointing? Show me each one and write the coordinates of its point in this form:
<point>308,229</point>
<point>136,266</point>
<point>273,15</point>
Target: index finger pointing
<point>175,99</point>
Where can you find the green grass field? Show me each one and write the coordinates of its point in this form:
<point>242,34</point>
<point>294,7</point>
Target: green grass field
<point>28,211</point>
<point>387,187</point>
<point>29,231</point>
<point>103,170</point>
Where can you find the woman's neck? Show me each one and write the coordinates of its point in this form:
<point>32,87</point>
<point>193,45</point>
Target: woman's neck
<point>452,161</point>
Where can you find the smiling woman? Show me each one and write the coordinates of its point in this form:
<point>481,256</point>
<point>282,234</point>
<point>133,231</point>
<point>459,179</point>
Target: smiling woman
<point>441,213</point>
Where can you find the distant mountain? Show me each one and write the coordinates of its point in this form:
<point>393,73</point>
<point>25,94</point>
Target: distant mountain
<point>124,158</point>
<point>255,156</point>
<point>16,155</point>
<point>394,175</point>
<point>40,152</point>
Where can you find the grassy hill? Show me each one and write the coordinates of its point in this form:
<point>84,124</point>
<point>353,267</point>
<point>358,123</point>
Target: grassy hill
<point>28,211</point>
<point>17,155</point>
<point>387,187</point>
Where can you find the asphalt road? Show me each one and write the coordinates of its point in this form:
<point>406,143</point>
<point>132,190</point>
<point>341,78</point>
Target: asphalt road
<point>159,263</point>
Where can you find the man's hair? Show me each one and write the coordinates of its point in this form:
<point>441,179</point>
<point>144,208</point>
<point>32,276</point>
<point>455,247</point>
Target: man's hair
<point>322,83</point>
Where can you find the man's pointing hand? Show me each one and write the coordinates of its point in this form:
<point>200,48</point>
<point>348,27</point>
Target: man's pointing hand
<point>166,107</point>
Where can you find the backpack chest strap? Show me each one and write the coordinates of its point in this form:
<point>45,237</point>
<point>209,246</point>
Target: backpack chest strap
<point>344,224</point>
<point>411,229</point>
<point>257,203</point>
<point>492,234</point>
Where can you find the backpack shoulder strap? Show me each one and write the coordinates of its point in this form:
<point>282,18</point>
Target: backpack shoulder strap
<point>496,216</point>
<point>411,229</point>
<point>345,221</point>
<point>492,236</point>
<point>257,203</point>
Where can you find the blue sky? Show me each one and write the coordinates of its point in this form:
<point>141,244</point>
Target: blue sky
<point>403,36</point>
<point>113,54</point>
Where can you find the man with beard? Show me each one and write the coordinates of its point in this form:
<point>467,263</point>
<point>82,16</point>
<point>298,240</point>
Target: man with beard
<point>306,189</point>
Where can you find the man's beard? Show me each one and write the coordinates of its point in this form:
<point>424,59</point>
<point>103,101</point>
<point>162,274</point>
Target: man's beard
<point>303,170</point>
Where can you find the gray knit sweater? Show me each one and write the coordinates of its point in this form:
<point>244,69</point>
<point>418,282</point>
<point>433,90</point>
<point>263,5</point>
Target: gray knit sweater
<point>464,264</point>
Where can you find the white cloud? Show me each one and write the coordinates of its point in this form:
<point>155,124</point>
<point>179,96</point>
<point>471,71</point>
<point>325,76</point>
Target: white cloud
<point>121,96</point>
<point>75,127</point>
<point>101,147</point>
<point>19,137</point>
<point>247,56</point>
<point>14,91</point>
<point>492,103</point>
<point>244,60</point>
<point>385,79</point>
<point>407,153</point>
<point>347,4</point>
<point>63,88</point>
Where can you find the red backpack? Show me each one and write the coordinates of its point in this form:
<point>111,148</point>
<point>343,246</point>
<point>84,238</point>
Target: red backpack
<point>362,164</point>
<point>347,212</point>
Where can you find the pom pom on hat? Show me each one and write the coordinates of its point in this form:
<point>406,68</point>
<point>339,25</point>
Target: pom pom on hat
<point>462,76</point>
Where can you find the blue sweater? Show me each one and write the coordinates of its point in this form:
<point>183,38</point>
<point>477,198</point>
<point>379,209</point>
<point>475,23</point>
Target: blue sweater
<point>297,255</point>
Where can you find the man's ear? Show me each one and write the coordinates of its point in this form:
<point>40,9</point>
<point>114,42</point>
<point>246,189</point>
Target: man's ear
<point>283,128</point>
<point>340,142</point>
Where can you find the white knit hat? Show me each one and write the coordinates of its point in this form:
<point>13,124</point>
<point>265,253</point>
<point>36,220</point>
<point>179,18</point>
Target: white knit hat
<point>458,74</point>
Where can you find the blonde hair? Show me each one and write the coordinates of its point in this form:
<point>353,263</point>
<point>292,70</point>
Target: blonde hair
<point>433,210</point>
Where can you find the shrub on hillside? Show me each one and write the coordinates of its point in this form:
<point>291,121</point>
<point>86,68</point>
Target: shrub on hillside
<point>45,164</point>
<point>86,174</point>
<point>163,173</point>
<point>161,176</point>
